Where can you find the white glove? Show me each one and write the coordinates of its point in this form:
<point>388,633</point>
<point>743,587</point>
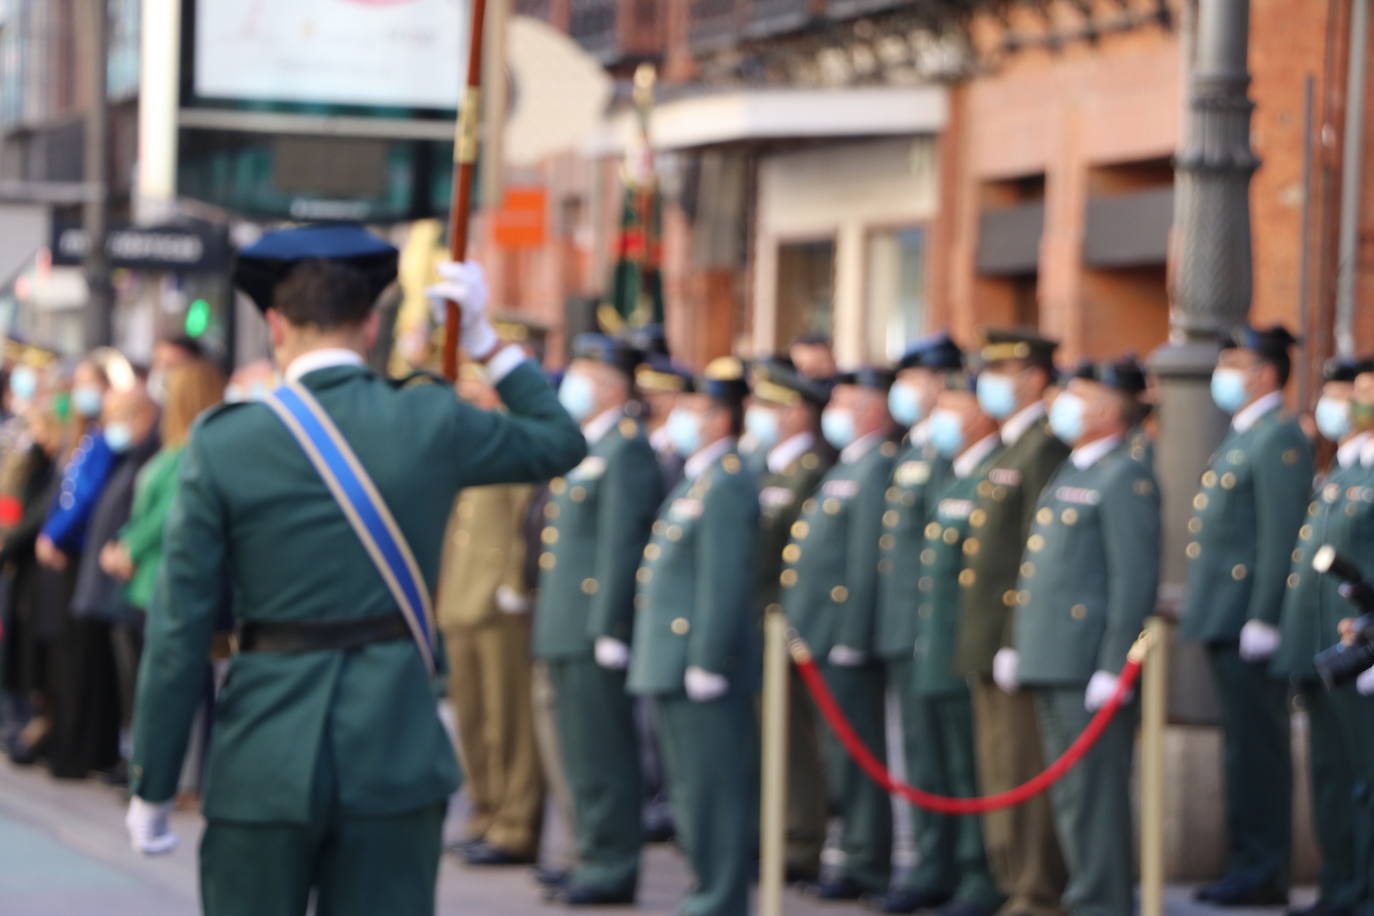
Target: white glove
<point>1004,665</point>
<point>1101,688</point>
<point>150,832</point>
<point>1258,640</point>
<point>1365,683</point>
<point>846,657</point>
<point>464,283</point>
<point>704,686</point>
<point>511,602</point>
<point>612,654</point>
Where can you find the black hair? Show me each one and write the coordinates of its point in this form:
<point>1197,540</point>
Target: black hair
<point>1282,363</point>
<point>324,294</point>
<point>736,411</point>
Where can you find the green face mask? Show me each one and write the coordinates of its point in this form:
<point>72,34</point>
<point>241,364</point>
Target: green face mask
<point>62,406</point>
<point>1361,415</point>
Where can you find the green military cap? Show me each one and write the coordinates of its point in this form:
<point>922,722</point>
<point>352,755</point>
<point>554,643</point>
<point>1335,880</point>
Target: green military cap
<point>724,380</point>
<point>777,381</point>
<point>1343,369</point>
<point>1001,344</point>
<point>659,374</point>
<point>937,352</point>
<point>874,378</point>
<point>1272,342</point>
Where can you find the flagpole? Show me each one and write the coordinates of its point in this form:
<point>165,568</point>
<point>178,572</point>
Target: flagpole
<point>464,160</point>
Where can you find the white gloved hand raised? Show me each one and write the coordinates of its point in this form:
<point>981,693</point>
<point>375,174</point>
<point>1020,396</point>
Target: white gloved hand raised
<point>1365,683</point>
<point>704,686</point>
<point>150,831</point>
<point>846,657</point>
<point>464,283</point>
<point>612,654</point>
<point>1004,667</point>
<point>510,601</point>
<point>1101,688</point>
<point>1258,641</point>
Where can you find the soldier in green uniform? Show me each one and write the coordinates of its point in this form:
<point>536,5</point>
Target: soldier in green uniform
<point>329,768</point>
<point>830,586</point>
<point>1333,517</point>
<point>1087,583</point>
<point>919,474</point>
<point>1021,844</point>
<point>967,437</point>
<point>696,646</point>
<point>1248,512</point>
<point>784,419</point>
<point>597,524</point>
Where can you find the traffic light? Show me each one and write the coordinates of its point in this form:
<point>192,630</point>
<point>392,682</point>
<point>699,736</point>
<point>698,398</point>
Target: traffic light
<point>197,318</point>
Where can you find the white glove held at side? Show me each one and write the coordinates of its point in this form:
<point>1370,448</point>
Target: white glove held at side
<point>150,831</point>
<point>1258,640</point>
<point>612,654</point>
<point>1365,683</point>
<point>1004,666</point>
<point>1101,688</point>
<point>510,601</point>
<point>846,657</point>
<point>704,686</point>
<point>464,283</point>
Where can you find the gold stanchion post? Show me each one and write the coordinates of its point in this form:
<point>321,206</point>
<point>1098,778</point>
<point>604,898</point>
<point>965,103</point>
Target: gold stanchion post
<point>773,807</point>
<point>1154,721</point>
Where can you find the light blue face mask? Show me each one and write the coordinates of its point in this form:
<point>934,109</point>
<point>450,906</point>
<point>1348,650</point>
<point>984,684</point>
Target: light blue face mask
<point>904,405</point>
<point>684,432</point>
<point>761,423</point>
<point>838,428</point>
<point>1228,389</point>
<point>946,433</point>
<point>996,395</point>
<point>1333,418</point>
<point>119,437</point>
<point>86,401</point>
<point>24,383</point>
<point>1066,418</point>
<point>576,396</point>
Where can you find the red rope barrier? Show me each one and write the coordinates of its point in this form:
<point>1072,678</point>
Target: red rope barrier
<point>942,804</point>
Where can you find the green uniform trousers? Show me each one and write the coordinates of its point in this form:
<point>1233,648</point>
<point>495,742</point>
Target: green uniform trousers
<point>938,730</point>
<point>1355,719</point>
<point>1333,791</point>
<point>865,808</point>
<point>711,790</point>
<point>600,746</point>
<point>357,865</point>
<point>808,799</point>
<point>1092,803</point>
<point>1258,766</point>
<point>934,834</point>
<point>1021,844</point>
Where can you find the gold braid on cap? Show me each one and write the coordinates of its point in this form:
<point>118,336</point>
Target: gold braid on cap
<point>652,380</point>
<point>766,389</point>
<point>999,351</point>
<point>724,369</point>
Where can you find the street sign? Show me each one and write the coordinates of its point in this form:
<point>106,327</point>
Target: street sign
<point>520,222</point>
<point>171,248</point>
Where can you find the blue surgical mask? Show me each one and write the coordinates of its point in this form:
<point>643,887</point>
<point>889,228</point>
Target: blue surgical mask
<point>838,427</point>
<point>761,423</point>
<point>23,383</point>
<point>1228,389</point>
<point>119,437</point>
<point>86,401</point>
<point>996,395</point>
<point>946,433</point>
<point>684,432</point>
<point>576,396</point>
<point>905,405</point>
<point>1066,418</point>
<point>1333,418</point>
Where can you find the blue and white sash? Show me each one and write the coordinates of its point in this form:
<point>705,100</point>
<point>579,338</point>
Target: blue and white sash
<point>362,505</point>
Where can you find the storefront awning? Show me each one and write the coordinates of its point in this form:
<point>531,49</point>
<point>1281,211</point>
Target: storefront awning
<point>766,114</point>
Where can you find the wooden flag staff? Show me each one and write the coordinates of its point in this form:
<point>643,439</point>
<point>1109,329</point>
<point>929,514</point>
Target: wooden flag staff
<point>464,161</point>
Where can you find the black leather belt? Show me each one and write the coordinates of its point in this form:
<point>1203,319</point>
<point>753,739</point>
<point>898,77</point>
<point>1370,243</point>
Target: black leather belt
<point>319,635</point>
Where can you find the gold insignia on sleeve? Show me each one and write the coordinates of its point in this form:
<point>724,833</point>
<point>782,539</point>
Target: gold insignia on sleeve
<point>731,464</point>
<point>888,449</point>
<point>628,428</point>
<point>810,461</point>
<point>1290,457</point>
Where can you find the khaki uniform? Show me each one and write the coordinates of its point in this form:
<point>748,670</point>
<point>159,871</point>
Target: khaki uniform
<point>489,654</point>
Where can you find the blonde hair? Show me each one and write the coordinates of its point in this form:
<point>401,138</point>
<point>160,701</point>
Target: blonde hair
<point>192,388</point>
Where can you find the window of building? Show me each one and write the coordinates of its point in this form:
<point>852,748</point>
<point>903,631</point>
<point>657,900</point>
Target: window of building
<point>896,294</point>
<point>806,289</point>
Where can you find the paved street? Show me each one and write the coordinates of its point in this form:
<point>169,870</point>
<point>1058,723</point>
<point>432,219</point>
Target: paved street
<point>64,854</point>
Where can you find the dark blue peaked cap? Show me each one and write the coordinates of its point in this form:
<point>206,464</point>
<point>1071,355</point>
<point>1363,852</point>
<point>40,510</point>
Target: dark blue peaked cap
<point>1271,342</point>
<point>936,351</point>
<point>873,377</point>
<point>265,263</point>
<point>613,351</point>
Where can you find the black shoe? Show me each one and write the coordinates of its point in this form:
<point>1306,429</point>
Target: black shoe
<point>583,895</point>
<point>481,854</point>
<point>909,900</point>
<point>838,888</point>
<point>801,874</point>
<point>551,877</point>
<point>1321,909</point>
<point>1229,892</point>
<point>658,822</point>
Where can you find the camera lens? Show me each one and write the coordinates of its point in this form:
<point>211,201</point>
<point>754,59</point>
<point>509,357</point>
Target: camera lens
<point>1341,664</point>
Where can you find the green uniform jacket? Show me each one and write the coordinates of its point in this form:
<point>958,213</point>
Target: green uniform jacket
<point>142,535</point>
<point>938,591</point>
<point>920,473</point>
<point>598,520</point>
<point>830,579</point>
<point>780,504</point>
<point>696,584</point>
<point>1245,522</point>
<point>1002,520</point>
<point>1341,514</point>
<point>251,503</point>
<point>1091,570</point>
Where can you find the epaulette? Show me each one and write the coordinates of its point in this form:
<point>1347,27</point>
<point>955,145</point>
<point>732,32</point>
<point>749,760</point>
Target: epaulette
<point>212,414</point>
<point>418,377</point>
